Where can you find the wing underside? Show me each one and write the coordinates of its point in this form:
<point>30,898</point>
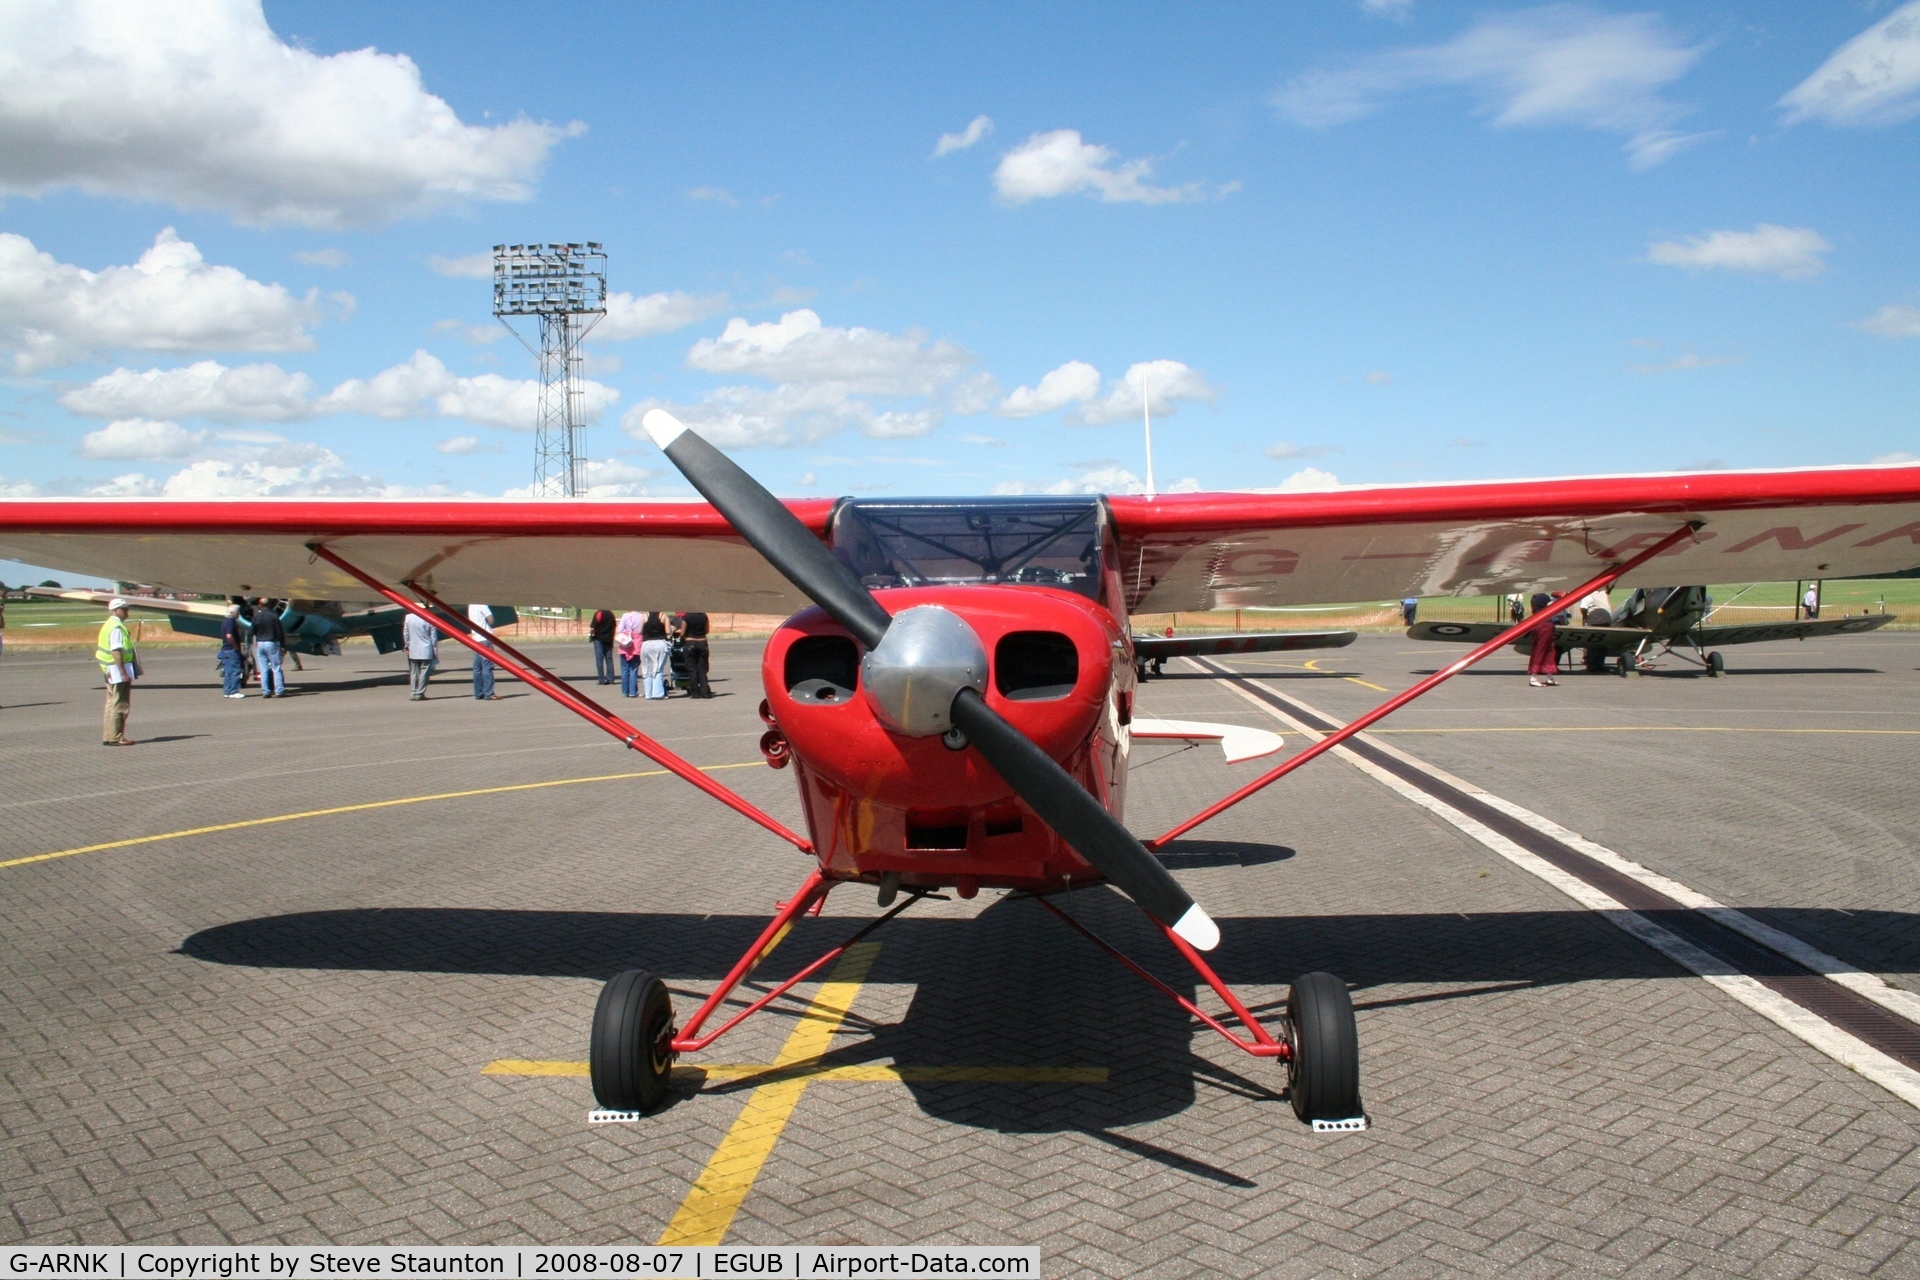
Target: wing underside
<point>1179,552</point>
<point>1183,552</point>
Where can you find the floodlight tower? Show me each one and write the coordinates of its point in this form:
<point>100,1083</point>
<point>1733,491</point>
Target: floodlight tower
<point>565,285</point>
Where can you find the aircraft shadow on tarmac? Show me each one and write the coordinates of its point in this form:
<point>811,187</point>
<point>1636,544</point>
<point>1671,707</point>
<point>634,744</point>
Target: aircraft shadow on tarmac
<point>994,991</point>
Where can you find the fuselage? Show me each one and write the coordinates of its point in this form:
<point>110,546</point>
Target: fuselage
<point>1038,586</point>
<point>1667,612</point>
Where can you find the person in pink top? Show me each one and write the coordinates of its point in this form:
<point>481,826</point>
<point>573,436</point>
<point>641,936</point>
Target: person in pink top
<point>627,643</point>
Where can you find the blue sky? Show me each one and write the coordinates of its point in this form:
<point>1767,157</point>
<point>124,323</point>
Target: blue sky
<point>1371,242</point>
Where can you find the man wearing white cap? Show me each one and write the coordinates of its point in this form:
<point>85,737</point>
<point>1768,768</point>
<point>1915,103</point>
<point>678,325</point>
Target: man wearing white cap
<point>119,664</point>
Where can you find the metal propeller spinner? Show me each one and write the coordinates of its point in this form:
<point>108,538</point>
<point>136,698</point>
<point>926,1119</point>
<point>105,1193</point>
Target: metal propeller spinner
<point>925,673</point>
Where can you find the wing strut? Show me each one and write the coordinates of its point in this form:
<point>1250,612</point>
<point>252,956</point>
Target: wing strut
<point>1401,699</point>
<point>538,677</point>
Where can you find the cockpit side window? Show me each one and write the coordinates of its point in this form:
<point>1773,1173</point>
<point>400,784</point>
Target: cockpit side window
<point>1053,543</point>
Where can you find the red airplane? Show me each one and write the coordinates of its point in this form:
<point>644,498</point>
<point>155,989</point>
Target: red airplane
<point>957,702</point>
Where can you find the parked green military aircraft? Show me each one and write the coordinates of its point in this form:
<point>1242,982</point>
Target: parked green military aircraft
<point>313,626</point>
<point>1653,621</point>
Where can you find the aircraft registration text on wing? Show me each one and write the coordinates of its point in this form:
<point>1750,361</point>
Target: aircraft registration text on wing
<point>954,689</point>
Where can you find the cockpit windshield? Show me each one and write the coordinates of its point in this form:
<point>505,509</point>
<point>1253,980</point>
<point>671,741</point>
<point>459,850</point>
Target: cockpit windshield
<point>1053,542</point>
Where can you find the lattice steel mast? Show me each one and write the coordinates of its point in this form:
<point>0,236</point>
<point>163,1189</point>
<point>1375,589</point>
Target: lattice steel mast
<point>565,286</point>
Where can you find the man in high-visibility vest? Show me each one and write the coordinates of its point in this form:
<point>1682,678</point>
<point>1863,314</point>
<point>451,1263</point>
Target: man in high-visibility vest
<point>119,664</point>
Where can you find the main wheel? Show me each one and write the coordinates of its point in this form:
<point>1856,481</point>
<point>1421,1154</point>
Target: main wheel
<point>629,1057</point>
<point>1716,664</point>
<point>1626,664</point>
<point>1323,1075</point>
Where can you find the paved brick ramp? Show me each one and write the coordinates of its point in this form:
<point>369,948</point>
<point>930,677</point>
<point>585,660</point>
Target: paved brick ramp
<point>276,1032</point>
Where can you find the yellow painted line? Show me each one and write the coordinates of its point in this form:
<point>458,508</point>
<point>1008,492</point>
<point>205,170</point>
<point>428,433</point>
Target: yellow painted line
<point>870,1072</point>
<point>716,1195</point>
<point>1651,728</point>
<point>354,808</point>
<point>1311,665</point>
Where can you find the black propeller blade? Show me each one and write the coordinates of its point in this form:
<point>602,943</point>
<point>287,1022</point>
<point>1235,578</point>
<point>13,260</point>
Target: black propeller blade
<point>1050,791</point>
<point>773,531</point>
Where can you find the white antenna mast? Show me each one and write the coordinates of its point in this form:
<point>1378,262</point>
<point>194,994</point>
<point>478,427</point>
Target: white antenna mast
<point>1146,411</point>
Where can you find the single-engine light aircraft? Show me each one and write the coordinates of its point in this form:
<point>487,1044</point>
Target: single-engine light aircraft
<point>314,627</point>
<point>954,694</point>
<point>1650,624</point>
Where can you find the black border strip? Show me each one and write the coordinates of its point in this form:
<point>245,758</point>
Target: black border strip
<point>1853,1013</point>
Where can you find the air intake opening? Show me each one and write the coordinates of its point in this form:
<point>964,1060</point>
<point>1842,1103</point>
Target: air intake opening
<point>823,669</point>
<point>937,829</point>
<point>1035,666</point>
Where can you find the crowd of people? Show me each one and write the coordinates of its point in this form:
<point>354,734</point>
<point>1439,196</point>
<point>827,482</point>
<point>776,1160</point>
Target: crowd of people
<point>641,648</point>
<point>635,651</point>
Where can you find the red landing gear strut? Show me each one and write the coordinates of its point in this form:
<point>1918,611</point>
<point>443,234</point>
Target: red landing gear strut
<point>635,1042</point>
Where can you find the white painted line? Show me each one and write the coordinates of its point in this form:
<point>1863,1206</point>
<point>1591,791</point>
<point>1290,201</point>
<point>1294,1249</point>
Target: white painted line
<point>1843,1047</point>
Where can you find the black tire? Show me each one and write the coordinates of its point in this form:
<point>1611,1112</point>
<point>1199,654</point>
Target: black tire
<point>1716,665</point>
<point>1626,664</point>
<point>1323,1075</point>
<point>628,1058</point>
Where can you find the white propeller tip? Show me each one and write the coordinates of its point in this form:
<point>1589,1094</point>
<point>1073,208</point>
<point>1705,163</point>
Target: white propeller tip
<point>662,427</point>
<point>1198,928</point>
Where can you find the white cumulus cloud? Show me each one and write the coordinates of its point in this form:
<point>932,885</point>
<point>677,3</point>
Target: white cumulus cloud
<point>1895,320</point>
<point>789,414</point>
<point>200,104</point>
<point>1100,477</point>
<point>1307,480</point>
<point>1284,450</point>
<point>422,386</point>
<point>1559,64</point>
<point>1872,79</point>
<point>825,380</point>
<point>204,389</point>
<point>418,387</point>
<point>459,446</point>
<point>1061,163</point>
<point>799,348</point>
<point>977,128</point>
<point>1074,382</point>
<point>142,440</point>
<point>1162,384</point>
<point>170,299</point>
<point>635,317</point>
<point>1792,252</point>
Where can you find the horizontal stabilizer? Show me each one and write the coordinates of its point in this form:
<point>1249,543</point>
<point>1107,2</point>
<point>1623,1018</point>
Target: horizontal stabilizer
<point>1259,642</point>
<point>1238,743</point>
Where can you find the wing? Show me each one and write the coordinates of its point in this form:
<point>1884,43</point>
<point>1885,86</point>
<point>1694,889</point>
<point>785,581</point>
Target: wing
<point>1755,632</point>
<point>1611,639</point>
<point>1177,551</point>
<point>1196,551</point>
<point>678,555</point>
<point>159,604</point>
<point>1260,642</point>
